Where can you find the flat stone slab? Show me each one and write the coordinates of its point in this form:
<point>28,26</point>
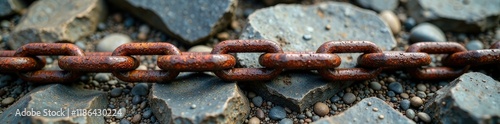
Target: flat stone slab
<point>457,15</point>
<point>57,20</point>
<point>189,20</point>
<point>198,98</point>
<point>364,113</point>
<point>471,98</point>
<point>9,7</point>
<point>59,98</point>
<point>297,90</point>
<point>305,28</point>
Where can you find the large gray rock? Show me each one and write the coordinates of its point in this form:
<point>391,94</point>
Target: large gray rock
<point>291,25</point>
<point>8,7</point>
<point>189,20</point>
<point>55,97</point>
<point>471,98</point>
<point>363,113</point>
<point>457,15</point>
<point>56,20</point>
<point>198,98</point>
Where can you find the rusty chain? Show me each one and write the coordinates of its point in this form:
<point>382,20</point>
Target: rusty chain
<point>28,61</point>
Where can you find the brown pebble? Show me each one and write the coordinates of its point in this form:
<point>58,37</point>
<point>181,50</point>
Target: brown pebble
<point>254,120</point>
<point>405,95</point>
<point>308,120</point>
<point>416,101</point>
<point>142,36</point>
<point>321,109</point>
<point>136,119</point>
<point>223,36</point>
<point>235,25</point>
<point>117,17</point>
<point>259,113</point>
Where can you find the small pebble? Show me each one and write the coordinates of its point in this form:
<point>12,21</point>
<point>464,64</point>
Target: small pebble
<point>286,121</point>
<point>335,99</point>
<point>321,109</point>
<point>381,116</point>
<point>424,117</point>
<point>409,23</point>
<point>142,67</point>
<point>136,99</point>
<point>144,29</point>
<point>101,26</point>
<point>301,116</point>
<point>136,118</point>
<point>421,87</point>
<point>426,32</point>
<point>200,48</point>
<point>81,45</point>
<point>140,89</point>
<point>102,77</point>
<point>375,109</point>
<point>474,45</point>
<point>375,85</point>
<point>259,113</point>
<point>315,118</point>
<point>349,98</point>
<point>410,113</point>
<point>122,112</point>
<point>115,92</point>
<point>147,114</point>
<point>7,101</point>
<point>257,101</point>
<point>404,95</point>
<point>223,36</point>
<point>392,20</point>
<point>416,101</point>
<point>391,94</point>
<point>110,42</point>
<point>421,94</point>
<point>251,94</point>
<point>404,104</point>
<point>124,121</point>
<point>112,82</point>
<point>254,120</point>
<point>309,114</point>
<point>193,106</point>
<point>396,87</point>
<point>307,37</point>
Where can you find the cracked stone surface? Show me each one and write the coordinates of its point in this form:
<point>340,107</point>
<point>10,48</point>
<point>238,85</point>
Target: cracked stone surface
<point>457,15</point>
<point>199,98</point>
<point>471,98</point>
<point>189,20</point>
<point>288,26</point>
<point>55,97</point>
<point>363,112</point>
<point>58,21</point>
<point>9,7</point>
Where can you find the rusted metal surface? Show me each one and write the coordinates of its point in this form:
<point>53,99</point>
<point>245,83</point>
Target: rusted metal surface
<point>28,61</point>
<point>437,72</point>
<point>394,60</point>
<point>299,60</point>
<point>247,74</point>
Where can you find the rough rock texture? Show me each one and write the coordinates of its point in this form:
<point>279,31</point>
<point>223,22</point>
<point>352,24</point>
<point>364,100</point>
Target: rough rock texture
<point>471,98</point>
<point>378,5</point>
<point>297,90</point>
<point>287,25</point>
<point>457,15</point>
<point>198,98</point>
<point>363,113</point>
<point>56,20</point>
<point>8,7</point>
<point>55,97</point>
<point>189,20</point>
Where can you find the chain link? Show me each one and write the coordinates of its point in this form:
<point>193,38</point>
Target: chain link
<point>28,61</point>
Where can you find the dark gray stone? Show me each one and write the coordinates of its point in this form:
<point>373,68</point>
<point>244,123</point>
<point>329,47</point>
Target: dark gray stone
<point>191,21</point>
<point>375,85</point>
<point>55,97</point>
<point>9,7</point>
<point>274,2</point>
<point>257,101</point>
<point>54,21</point>
<point>140,89</point>
<point>280,24</point>
<point>136,99</point>
<point>426,32</point>
<point>404,104</point>
<point>410,113</point>
<point>216,101</point>
<point>457,15</point>
<point>277,113</point>
<point>349,98</point>
<point>471,98</point>
<point>102,77</point>
<point>147,114</point>
<point>396,87</point>
<point>378,5</point>
<point>362,113</point>
<point>116,92</point>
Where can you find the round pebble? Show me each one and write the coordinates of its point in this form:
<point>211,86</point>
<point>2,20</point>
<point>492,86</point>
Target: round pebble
<point>5,24</point>
<point>101,26</point>
<point>200,48</point>
<point>121,114</point>
<point>396,87</point>
<point>421,87</point>
<point>416,101</point>
<point>375,85</point>
<point>277,113</point>
<point>140,89</point>
<point>335,99</point>
<point>223,36</point>
<point>424,117</point>
<point>112,82</point>
<point>381,116</point>
<point>259,113</point>
<point>136,119</point>
<point>410,23</point>
<point>147,114</point>
<point>392,20</point>
<point>309,114</point>
<point>307,37</point>
<point>144,29</point>
<point>301,116</point>
<point>404,104</point>
<point>349,98</point>
<point>286,121</point>
<point>251,94</point>
<point>101,77</point>
<point>124,121</point>
<point>80,45</point>
<point>474,45</point>
<point>404,95</point>
<point>410,113</point>
<point>321,109</point>
<point>115,92</point>
<point>391,94</point>
<point>7,101</point>
<point>112,41</point>
<point>136,99</point>
<point>421,94</point>
<point>254,120</point>
<point>315,118</point>
<point>257,101</point>
<point>426,32</point>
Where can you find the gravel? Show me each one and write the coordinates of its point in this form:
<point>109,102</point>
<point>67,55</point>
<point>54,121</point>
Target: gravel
<point>277,113</point>
<point>349,98</point>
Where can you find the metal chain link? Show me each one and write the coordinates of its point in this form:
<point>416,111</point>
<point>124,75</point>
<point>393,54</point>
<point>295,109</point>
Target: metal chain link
<point>28,61</point>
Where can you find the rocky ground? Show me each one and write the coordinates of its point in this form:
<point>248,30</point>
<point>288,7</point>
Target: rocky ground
<point>293,97</point>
